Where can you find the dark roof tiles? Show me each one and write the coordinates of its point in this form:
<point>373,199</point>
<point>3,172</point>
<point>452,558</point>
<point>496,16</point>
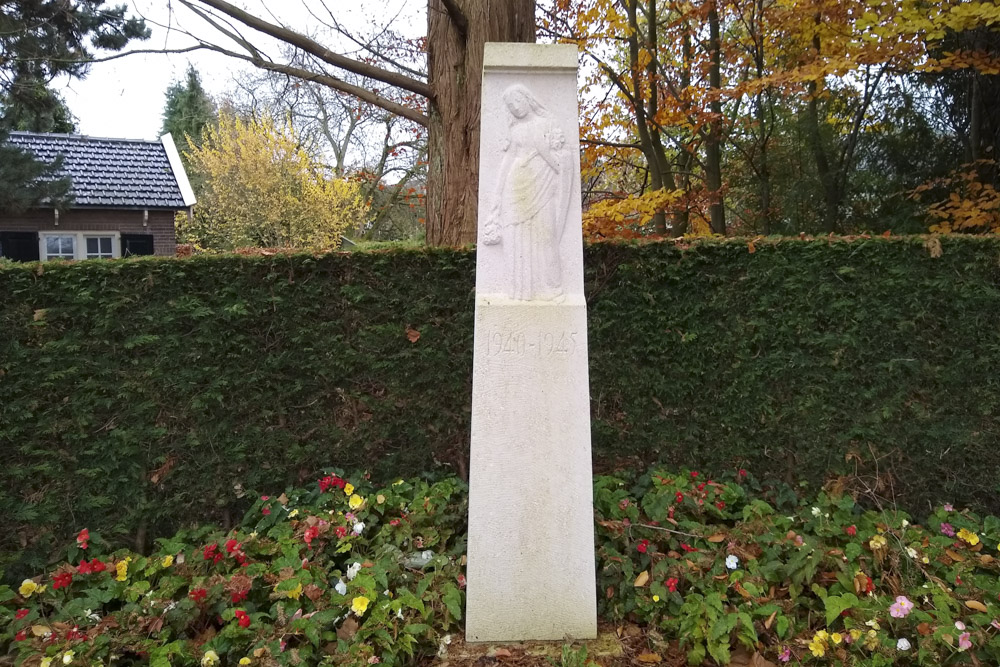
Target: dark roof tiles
<point>115,173</point>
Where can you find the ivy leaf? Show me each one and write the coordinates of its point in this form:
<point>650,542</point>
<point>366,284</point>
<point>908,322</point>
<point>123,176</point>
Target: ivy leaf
<point>837,604</point>
<point>452,599</point>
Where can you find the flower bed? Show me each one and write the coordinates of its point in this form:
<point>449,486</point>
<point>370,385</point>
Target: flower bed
<point>370,575</point>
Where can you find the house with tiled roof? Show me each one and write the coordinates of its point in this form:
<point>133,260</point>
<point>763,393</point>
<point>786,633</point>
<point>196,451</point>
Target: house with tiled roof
<point>125,194</point>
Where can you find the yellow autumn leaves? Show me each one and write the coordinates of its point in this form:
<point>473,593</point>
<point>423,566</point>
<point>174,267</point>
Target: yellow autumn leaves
<point>258,187</point>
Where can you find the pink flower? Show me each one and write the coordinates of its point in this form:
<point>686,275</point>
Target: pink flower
<point>394,522</point>
<point>786,654</point>
<point>996,624</point>
<point>963,641</point>
<point>947,529</point>
<point>948,507</point>
<point>959,625</point>
<point>901,608</point>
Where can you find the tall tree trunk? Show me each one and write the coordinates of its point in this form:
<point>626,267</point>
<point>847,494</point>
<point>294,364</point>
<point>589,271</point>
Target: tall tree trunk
<point>713,143</point>
<point>827,178</point>
<point>456,33</point>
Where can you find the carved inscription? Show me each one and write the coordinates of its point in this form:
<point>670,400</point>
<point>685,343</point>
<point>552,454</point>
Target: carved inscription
<point>531,344</point>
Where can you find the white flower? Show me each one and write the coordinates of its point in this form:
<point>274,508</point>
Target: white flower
<point>352,570</point>
<point>903,644</point>
<point>341,587</point>
<point>911,552</point>
<point>905,523</point>
<point>732,562</point>
<point>959,625</point>
<point>358,527</point>
<point>68,657</point>
<point>46,662</point>
<point>816,511</point>
<point>210,658</point>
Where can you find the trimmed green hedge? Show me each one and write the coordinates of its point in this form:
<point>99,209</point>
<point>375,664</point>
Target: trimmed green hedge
<point>139,394</point>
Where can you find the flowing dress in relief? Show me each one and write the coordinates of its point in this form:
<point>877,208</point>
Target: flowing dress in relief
<point>531,200</point>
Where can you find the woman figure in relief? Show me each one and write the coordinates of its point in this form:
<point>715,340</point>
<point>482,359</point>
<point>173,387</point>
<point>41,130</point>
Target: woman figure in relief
<point>531,200</point>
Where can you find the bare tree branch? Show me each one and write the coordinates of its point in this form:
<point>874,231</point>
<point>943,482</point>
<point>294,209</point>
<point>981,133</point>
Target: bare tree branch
<point>314,48</point>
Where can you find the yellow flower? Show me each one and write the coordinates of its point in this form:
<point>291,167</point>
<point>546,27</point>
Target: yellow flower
<point>122,569</point>
<point>45,662</point>
<point>836,638</point>
<point>293,514</point>
<point>656,598</point>
<point>397,482</point>
<point>167,562</point>
<point>969,537</point>
<point>210,658</point>
<point>27,588</point>
<point>822,635</point>
<point>818,647</point>
<point>856,634</point>
<point>877,542</point>
<point>356,501</point>
<point>245,661</point>
<point>295,593</point>
<point>359,605</point>
<point>348,489</point>
<point>871,641</point>
<point>380,499</point>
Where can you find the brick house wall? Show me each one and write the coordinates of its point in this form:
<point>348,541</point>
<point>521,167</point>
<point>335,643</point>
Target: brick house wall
<point>160,224</point>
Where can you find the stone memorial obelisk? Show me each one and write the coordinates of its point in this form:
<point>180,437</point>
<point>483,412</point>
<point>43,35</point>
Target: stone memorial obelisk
<point>531,516</point>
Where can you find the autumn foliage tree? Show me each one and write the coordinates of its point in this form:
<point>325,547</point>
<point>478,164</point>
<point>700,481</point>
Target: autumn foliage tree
<point>260,188</point>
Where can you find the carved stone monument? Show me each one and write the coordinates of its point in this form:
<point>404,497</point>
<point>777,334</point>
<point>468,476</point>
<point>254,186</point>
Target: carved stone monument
<point>531,517</point>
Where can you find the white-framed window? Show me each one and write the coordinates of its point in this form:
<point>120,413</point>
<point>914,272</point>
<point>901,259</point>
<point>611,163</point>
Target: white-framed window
<point>79,245</point>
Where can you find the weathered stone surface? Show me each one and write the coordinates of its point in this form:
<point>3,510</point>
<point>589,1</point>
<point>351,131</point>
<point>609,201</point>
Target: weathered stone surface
<point>531,538</point>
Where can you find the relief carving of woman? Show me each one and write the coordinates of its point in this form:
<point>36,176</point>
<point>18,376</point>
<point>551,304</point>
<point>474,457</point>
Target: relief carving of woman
<point>531,200</point>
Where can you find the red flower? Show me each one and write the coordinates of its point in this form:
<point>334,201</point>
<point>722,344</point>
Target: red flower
<point>341,531</point>
<point>97,566</point>
<point>311,534</point>
<point>869,585</point>
<point>694,473</point>
<point>231,546</point>
<point>208,553</point>
<point>21,613</point>
<point>642,546</point>
<point>721,505</point>
<point>672,584</point>
<point>687,548</point>
<point>242,618</point>
<point>239,596</point>
<point>266,511</point>
<point>743,473</point>
<point>851,530</point>
<point>84,567</point>
<point>330,482</point>
<point>21,636</point>
<point>679,497</point>
<point>198,594</point>
<point>61,580</point>
<point>241,558</point>
<point>701,487</point>
<point>394,522</point>
<point>461,581</point>
<point>82,538</point>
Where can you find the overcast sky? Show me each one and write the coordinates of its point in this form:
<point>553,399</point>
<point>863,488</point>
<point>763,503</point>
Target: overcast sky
<point>124,98</point>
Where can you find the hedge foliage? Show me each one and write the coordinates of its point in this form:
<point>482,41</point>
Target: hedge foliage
<point>139,394</point>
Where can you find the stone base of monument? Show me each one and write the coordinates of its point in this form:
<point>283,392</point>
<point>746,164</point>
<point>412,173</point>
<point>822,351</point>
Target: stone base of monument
<point>531,572</point>
<point>608,649</point>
